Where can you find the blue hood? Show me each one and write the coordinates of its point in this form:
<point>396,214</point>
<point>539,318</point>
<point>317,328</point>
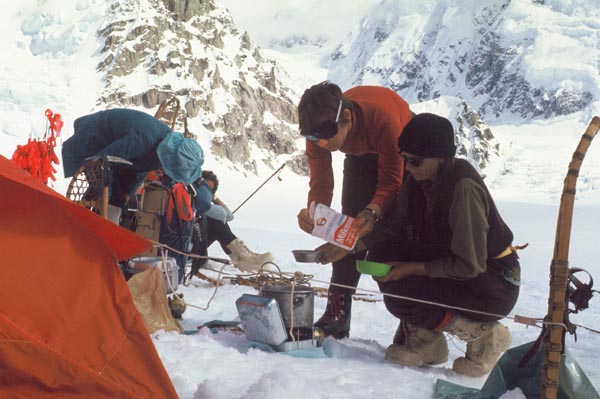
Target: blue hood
<point>181,158</point>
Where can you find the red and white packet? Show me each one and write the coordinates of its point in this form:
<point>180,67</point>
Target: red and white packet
<point>334,227</point>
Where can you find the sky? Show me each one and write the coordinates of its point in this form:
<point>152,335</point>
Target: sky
<point>268,21</point>
<point>526,184</point>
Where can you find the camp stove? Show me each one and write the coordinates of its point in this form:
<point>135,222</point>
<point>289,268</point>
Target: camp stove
<point>281,317</point>
<point>168,267</point>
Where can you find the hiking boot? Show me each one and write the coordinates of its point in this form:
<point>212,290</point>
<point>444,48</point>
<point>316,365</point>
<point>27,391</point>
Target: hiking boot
<point>417,346</point>
<point>176,305</point>
<point>485,343</point>
<point>335,322</point>
<point>246,260</point>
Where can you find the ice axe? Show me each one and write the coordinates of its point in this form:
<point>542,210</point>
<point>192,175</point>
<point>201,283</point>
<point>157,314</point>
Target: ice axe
<point>259,187</point>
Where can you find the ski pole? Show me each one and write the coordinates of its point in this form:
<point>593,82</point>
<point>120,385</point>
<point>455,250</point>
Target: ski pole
<point>259,187</point>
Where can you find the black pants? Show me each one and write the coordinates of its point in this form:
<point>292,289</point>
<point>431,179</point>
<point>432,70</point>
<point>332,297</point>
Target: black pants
<point>489,292</point>
<point>360,182</point>
<point>219,231</point>
<point>206,232</point>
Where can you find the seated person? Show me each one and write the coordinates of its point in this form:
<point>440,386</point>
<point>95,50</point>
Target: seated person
<point>213,226</point>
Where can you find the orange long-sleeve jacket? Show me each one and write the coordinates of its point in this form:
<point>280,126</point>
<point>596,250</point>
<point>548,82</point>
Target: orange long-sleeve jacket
<point>378,118</point>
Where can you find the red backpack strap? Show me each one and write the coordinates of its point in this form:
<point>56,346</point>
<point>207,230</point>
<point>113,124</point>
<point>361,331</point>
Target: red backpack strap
<point>181,201</point>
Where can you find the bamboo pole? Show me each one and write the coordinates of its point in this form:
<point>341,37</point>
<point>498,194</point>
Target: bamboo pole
<point>553,341</point>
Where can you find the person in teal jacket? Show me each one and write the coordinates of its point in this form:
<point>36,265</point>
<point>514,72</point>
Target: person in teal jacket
<point>139,138</point>
<point>149,145</point>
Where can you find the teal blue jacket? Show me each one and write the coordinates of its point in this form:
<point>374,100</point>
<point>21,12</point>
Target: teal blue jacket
<point>125,133</point>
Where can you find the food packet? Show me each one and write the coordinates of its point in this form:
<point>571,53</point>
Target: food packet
<point>334,227</point>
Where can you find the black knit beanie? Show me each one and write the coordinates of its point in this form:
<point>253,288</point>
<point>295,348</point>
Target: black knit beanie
<point>429,136</point>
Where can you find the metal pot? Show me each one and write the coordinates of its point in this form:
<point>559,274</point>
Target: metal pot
<point>300,303</point>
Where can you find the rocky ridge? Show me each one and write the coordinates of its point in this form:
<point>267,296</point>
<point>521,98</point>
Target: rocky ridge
<point>474,139</point>
<point>192,49</point>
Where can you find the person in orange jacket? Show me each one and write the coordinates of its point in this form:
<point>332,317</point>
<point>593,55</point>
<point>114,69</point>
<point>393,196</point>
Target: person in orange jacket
<point>364,123</point>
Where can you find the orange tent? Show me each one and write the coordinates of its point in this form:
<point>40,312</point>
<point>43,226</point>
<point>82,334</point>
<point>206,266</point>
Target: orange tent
<point>68,325</point>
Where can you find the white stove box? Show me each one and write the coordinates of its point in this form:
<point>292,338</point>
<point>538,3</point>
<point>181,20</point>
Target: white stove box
<point>261,319</point>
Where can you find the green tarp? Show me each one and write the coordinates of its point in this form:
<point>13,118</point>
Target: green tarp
<point>507,376</point>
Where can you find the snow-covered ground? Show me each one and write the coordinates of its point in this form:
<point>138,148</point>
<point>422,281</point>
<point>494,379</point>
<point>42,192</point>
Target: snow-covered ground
<point>526,183</point>
<point>219,365</point>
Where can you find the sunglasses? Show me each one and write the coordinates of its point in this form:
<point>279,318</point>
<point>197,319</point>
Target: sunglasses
<point>416,161</point>
<point>328,129</point>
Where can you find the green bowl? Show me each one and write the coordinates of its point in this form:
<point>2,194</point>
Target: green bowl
<point>373,268</point>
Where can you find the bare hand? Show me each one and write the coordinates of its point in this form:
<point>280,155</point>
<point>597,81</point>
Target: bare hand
<point>218,201</point>
<point>365,221</point>
<point>330,253</point>
<point>401,270</point>
<point>305,221</point>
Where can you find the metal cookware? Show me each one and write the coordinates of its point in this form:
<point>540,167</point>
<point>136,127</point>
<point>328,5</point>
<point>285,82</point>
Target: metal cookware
<point>306,256</point>
<point>296,305</point>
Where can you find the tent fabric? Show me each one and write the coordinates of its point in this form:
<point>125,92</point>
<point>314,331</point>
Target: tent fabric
<point>506,375</point>
<point>68,324</point>
<point>122,242</point>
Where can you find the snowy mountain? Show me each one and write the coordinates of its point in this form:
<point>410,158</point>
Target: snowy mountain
<point>527,69</point>
<point>137,53</point>
<point>193,50</point>
<point>141,52</point>
<point>512,58</point>
<point>516,59</point>
<point>496,58</point>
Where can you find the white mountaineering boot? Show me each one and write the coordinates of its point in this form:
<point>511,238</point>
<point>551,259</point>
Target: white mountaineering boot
<point>246,260</point>
<point>485,343</point>
<point>417,346</point>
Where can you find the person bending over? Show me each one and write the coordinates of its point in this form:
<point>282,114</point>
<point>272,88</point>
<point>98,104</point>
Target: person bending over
<point>137,137</point>
<point>364,123</point>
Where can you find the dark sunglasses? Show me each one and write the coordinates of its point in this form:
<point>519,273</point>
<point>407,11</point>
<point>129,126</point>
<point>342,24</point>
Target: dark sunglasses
<point>328,129</point>
<point>416,161</point>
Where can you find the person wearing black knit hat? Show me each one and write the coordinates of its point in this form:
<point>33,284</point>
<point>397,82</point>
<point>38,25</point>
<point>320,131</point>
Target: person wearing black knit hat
<point>428,135</point>
<point>447,244</point>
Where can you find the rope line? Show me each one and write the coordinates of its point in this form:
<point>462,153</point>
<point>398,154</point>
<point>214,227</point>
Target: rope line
<point>305,279</point>
<point>180,296</point>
